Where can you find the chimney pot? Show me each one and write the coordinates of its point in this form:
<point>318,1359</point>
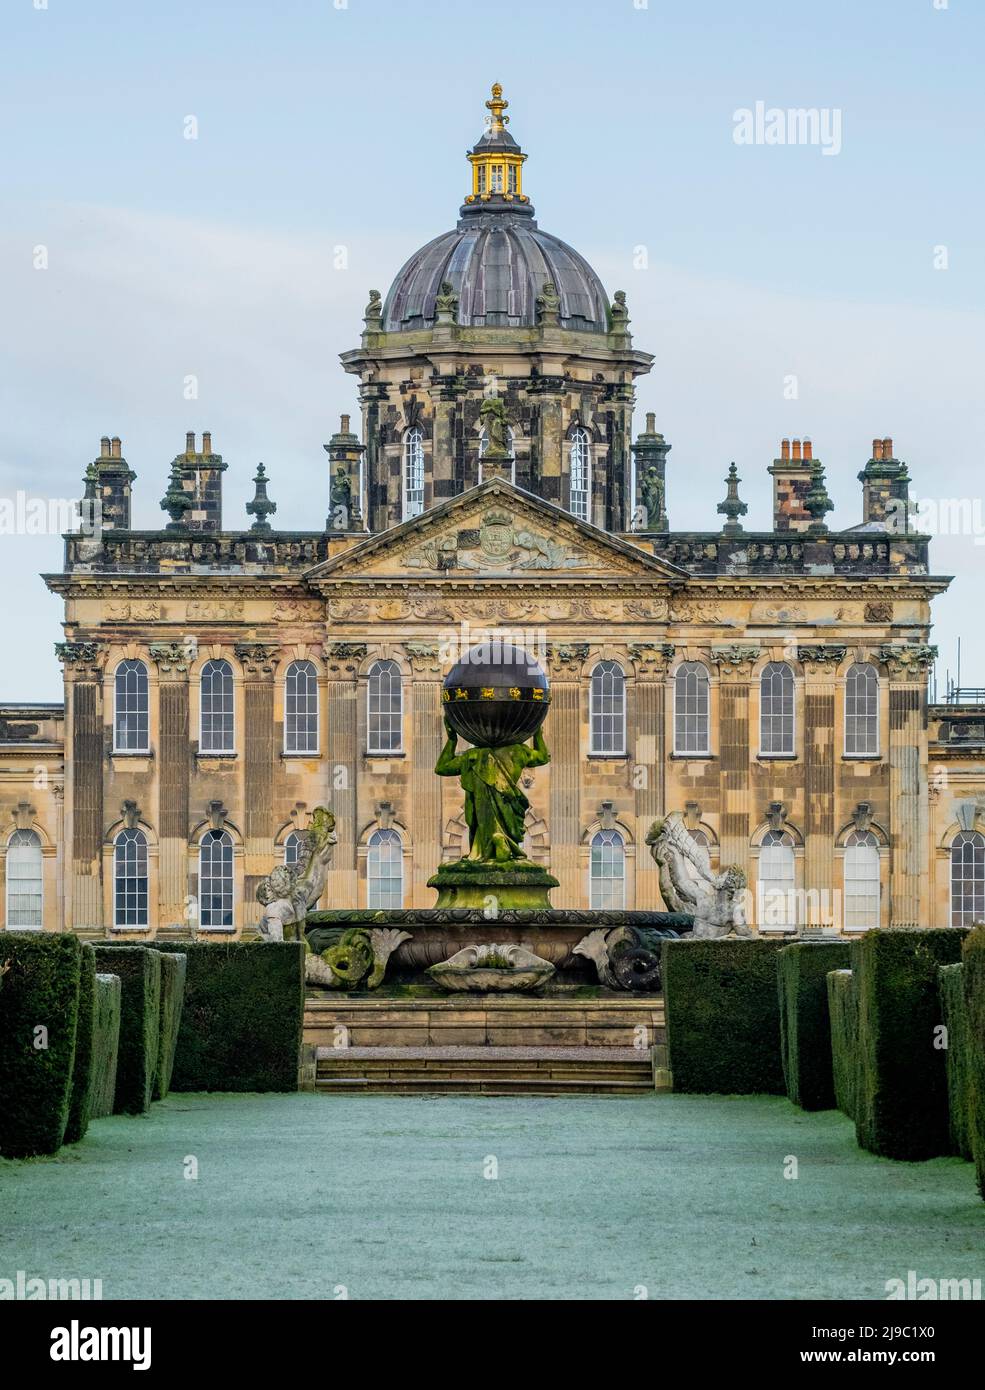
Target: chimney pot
<point>343,424</point>
<point>651,422</point>
<point>808,449</point>
<point>784,448</point>
<point>206,441</point>
<point>796,450</point>
<point>114,447</point>
<point>877,448</point>
<point>104,447</point>
<point>887,449</point>
<point>190,442</point>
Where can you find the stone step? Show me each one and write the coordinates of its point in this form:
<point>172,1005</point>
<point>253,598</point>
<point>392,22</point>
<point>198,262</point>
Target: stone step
<point>490,1070</point>
<point>435,1086</point>
<point>477,1021</point>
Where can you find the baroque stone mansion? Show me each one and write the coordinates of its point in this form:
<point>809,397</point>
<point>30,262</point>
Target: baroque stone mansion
<point>220,684</point>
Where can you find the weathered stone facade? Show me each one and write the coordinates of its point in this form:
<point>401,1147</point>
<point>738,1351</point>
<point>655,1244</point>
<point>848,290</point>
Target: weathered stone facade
<point>795,609</point>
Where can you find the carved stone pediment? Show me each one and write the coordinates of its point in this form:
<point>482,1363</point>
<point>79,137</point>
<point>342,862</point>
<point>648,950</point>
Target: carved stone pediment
<point>493,530</point>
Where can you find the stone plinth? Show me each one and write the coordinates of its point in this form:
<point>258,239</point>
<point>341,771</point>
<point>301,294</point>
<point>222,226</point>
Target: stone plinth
<point>471,884</point>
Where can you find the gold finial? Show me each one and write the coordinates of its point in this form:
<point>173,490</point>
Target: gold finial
<point>497,106</point>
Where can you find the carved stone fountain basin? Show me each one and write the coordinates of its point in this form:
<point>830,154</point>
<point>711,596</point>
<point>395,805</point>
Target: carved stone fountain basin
<point>492,969</point>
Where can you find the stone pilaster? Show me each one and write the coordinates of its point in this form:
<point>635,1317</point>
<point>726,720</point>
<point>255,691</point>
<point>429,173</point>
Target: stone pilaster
<point>259,661</point>
<point>83,664</point>
<point>428,738</point>
<point>649,756</point>
<point>342,662</point>
<point>563,735</point>
<point>820,665</point>
<point>173,661</point>
<point>551,464</point>
<point>617,485</point>
<point>908,665</point>
<point>734,665</point>
<point>443,397</point>
<point>371,397</point>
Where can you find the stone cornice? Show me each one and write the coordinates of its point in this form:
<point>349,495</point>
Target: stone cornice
<point>113,584</point>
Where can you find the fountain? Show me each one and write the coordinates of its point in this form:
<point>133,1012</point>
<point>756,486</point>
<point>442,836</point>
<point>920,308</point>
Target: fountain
<point>493,928</point>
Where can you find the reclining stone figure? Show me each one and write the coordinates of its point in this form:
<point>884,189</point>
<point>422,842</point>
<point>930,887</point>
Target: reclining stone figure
<point>689,884</point>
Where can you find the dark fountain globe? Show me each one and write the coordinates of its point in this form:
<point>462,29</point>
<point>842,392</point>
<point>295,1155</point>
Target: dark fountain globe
<point>496,695</point>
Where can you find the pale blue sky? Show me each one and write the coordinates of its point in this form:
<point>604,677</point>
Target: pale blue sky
<point>322,127</point>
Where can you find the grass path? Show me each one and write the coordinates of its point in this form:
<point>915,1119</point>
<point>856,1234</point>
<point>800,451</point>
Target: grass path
<point>300,1194</point>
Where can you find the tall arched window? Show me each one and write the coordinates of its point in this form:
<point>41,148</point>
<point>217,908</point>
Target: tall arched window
<point>301,708</point>
<point>217,708</point>
<point>967,878</point>
<point>130,724</point>
<point>413,474</point>
<point>608,871</point>
<point>130,894</point>
<point>385,870</point>
<point>385,708</point>
<point>691,704</point>
<point>25,880</point>
<point>292,847</point>
<point>607,709</point>
<point>776,709</point>
<point>215,879</point>
<point>862,711</point>
<point>861,881</point>
<point>776,899</point>
<point>484,445</point>
<point>581,475</point>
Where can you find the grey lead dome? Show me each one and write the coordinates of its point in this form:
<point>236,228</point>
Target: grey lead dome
<point>497,262</point>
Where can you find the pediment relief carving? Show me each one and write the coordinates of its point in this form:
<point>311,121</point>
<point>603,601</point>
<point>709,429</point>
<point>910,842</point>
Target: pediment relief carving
<point>495,531</point>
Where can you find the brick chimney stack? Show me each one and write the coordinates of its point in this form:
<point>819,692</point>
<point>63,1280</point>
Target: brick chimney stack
<point>199,477</point>
<point>791,474</point>
<point>885,488</point>
<point>112,479</point>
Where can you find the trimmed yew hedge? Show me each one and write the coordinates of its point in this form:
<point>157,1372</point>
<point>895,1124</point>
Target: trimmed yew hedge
<point>39,989</point>
<point>139,969</point>
<point>242,1018</point>
<point>79,1110</point>
<point>105,1045</point>
<point>973,958</point>
<point>843,1015</point>
<point>951,984</point>
<point>173,973</point>
<point>723,1015</point>
<point>805,1026</point>
<point>901,1100</point>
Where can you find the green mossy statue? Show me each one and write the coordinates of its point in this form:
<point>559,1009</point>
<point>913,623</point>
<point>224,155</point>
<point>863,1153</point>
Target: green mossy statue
<point>495,806</point>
